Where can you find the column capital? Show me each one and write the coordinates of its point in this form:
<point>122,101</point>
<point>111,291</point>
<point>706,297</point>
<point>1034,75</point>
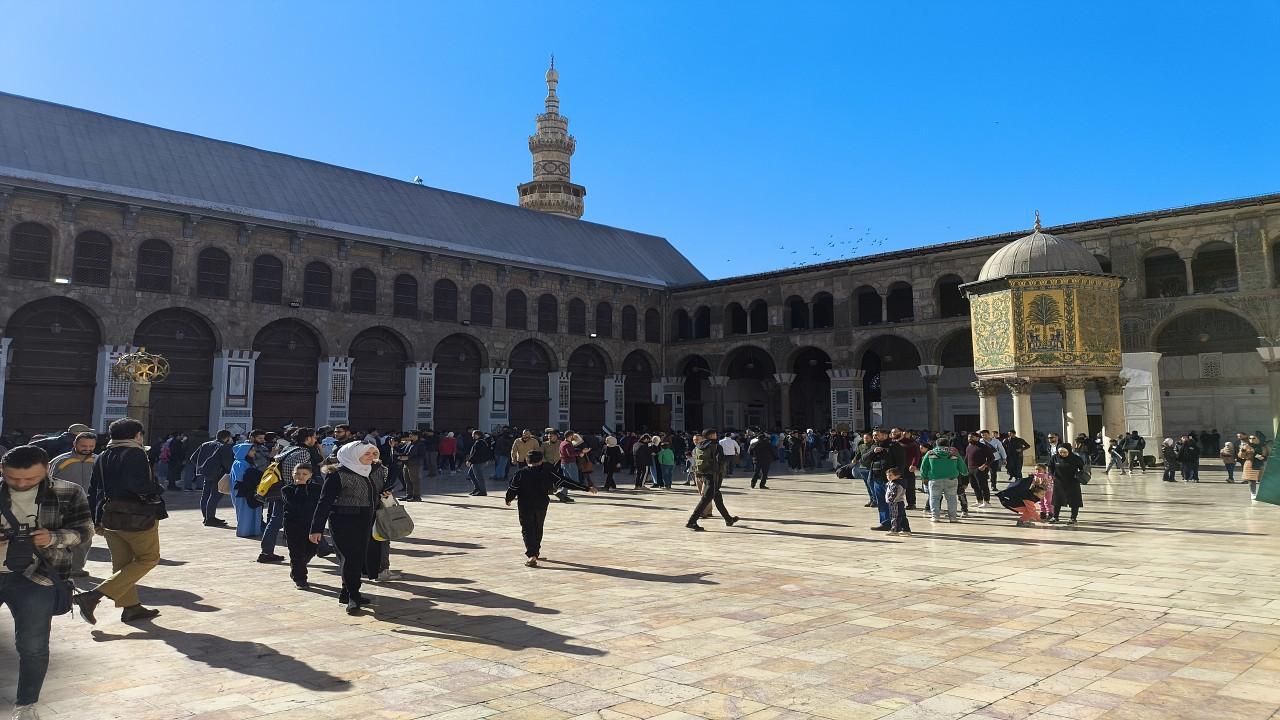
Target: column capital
<point>930,373</point>
<point>784,378</point>
<point>498,371</point>
<point>718,381</point>
<point>846,374</point>
<point>1019,386</point>
<point>1112,385</point>
<point>1073,383</point>
<point>1272,366</point>
<point>986,388</point>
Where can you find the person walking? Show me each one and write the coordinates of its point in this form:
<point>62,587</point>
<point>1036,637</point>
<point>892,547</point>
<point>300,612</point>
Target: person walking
<point>762,454</point>
<point>532,486</point>
<point>348,497</point>
<point>730,450</point>
<point>76,467</point>
<point>57,515</point>
<point>1015,449</point>
<point>213,460</point>
<point>300,497</point>
<point>479,464</point>
<point>978,456</point>
<point>1068,472</point>
<point>708,464</point>
<point>1229,457</point>
<point>666,464</point>
<point>244,483</point>
<point>297,452</point>
<point>883,454</point>
<point>409,453</point>
<point>1253,456</point>
<point>128,505</point>
<point>942,469</point>
<point>611,459</point>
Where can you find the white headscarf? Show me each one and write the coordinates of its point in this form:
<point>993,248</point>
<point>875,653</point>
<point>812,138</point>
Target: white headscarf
<point>610,440</point>
<point>349,457</point>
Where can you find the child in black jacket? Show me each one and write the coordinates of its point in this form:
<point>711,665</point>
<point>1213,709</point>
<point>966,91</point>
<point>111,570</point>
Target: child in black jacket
<point>300,500</point>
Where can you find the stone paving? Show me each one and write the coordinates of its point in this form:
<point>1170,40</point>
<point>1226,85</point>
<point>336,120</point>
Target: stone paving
<point>1163,603</point>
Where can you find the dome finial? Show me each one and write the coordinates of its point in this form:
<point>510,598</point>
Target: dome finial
<point>1037,221</point>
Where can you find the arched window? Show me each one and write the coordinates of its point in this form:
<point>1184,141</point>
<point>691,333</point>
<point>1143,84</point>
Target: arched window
<point>405,296</point>
<point>735,320</point>
<point>577,317</point>
<point>702,323</point>
<point>951,302</point>
<point>1103,261</point>
<point>364,291</point>
<point>155,267</point>
<point>652,326</point>
<point>824,314</point>
<point>548,314</point>
<point>758,317</point>
<point>900,305</point>
<point>91,264</point>
<point>681,325</point>
<point>268,279</point>
<point>317,286</point>
<point>628,322</point>
<point>30,251</point>
<point>797,313</point>
<point>1165,274</point>
<point>604,320</point>
<point>1213,270</point>
<point>870,306</point>
<point>481,305</point>
<point>445,301</point>
<point>517,310</point>
<point>213,274</point>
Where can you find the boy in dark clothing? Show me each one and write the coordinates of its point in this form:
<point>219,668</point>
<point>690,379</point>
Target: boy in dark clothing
<point>895,495</point>
<point>533,486</point>
<point>300,499</point>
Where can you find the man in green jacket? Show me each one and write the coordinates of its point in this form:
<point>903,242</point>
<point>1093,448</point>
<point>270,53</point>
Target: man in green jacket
<point>944,468</point>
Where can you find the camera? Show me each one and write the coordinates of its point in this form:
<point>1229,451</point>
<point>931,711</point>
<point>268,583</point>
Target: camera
<point>22,548</point>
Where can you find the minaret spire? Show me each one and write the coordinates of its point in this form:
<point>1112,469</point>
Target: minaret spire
<point>552,147</point>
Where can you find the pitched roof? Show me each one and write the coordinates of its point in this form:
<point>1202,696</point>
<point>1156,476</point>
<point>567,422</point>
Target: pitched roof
<point>68,147</point>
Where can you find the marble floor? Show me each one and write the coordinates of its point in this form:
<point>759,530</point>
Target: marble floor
<point>1163,603</point>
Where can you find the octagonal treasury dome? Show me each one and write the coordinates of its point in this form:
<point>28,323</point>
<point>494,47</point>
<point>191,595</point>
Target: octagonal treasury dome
<point>1039,253</point>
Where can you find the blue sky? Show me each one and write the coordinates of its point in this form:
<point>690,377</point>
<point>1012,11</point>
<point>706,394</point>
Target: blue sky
<point>751,134</point>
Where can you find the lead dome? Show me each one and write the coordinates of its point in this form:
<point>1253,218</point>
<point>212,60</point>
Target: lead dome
<point>1039,253</point>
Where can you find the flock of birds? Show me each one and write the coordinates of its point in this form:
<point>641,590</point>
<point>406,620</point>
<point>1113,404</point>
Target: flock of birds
<point>833,249</point>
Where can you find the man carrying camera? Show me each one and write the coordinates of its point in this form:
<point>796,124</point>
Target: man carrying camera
<point>41,521</point>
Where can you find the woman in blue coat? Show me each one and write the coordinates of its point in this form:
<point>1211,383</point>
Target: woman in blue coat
<point>243,485</point>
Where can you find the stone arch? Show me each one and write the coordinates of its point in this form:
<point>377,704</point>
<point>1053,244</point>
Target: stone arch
<point>701,322</point>
<point>444,301</point>
<point>955,350</point>
<point>1164,274</point>
<point>652,326</point>
<point>378,358</point>
<point>588,366</point>
<point>758,317</point>
<point>531,361</point>
<point>404,296</point>
<point>681,325</point>
<point>153,270</point>
<point>696,372</point>
<point>91,259</point>
<point>317,285</point>
<point>190,342</point>
<point>1204,330</point>
<point>458,358</point>
<point>213,274</point>
<point>899,303</point>
<point>639,370</point>
<point>604,319</point>
<point>266,278</point>
<point>53,370</point>
<point>576,317</point>
<point>630,323</point>
<point>751,396</point>
<point>362,292</point>
<point>868,306</point>
<point>824,310</point>
<point>951,302</point>
<point>31,251</point>
<point>797,313</point>
<point>548,313</point>
<point>889,363</point>
<point>517,315</point>
<point>1213,269</point>
<point>1104,262</point>
<point>810,390</point>
<point>481,305</point>
<point>735,319</point>
<point>286,374</point>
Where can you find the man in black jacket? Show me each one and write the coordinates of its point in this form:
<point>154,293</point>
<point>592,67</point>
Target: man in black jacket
<point>533,486</point>
<point>122,481</point>
<point>213,460</point>
<point>883,455</point>
<point>1014,447</point>
<point>761,451</point>
<point>479,463</point>
<point>708,465</point>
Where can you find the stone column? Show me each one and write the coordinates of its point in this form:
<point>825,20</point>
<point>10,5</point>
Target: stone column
<point>1191,279</point>
<point>1023,420</point>
<point>1142,399</point>
<point>558,388</point>
<point>988,404</point>
<point>717,390</point>
<point>784,381</point>
<point>1075,410</point>
<point>111,395</point>
<point>1271,361</point>
<point>333,396</point>
<point>419,395</point>
<point>495,405</point>
<point>669,391</point>
<point>231,402</point>
<point>846,398</point>
<point>4,342</point>
<point>1112,389</point>
<point>615,400</point>
<point>932,374</point>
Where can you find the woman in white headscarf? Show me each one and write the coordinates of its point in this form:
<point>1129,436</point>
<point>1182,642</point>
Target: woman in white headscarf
<point>611,458</point>
<point>348,498</point>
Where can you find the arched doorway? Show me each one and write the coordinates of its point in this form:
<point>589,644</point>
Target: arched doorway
<point>286,375</point>
<point>586,389</point>
<point>378,358</point>
<point>890,366</point>
<point>697,388</point>
<point>810,391</point>
<point>530,393</point>
<point>1210,374</point>
<point>750,395</point>
<point>458,359</point>
<point>186,339</point>
<point>640,412</point>
<point>53,367</point>
<point>956,357</point>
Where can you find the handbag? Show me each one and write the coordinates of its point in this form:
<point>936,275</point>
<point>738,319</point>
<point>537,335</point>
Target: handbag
<point>391,521</point>
<point>62,588</point>
<point>128,515</point>
<point>585,465</point>
<point>224,484</point>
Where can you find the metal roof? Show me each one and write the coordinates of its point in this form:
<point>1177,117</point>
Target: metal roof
<point>68,147</point>
<point>1039,252</point>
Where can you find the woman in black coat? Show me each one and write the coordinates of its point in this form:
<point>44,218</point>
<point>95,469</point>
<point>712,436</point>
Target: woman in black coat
<point>1066,483</point>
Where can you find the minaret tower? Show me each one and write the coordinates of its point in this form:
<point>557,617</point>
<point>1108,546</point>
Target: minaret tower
<point>552,147</point>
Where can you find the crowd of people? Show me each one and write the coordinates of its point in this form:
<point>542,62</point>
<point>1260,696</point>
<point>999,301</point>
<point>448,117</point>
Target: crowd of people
<point>323,487</point>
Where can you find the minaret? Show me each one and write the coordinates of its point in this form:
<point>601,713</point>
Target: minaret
<point>552,147</point>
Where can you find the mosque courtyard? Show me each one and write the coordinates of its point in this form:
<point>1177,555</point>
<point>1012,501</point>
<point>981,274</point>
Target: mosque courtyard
<point>1163,603</point>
